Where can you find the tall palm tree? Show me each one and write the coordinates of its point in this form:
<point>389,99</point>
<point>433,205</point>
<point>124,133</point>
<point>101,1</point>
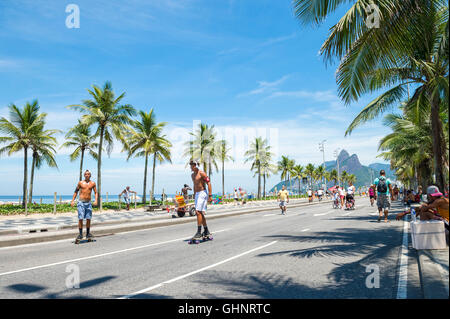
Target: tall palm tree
<point>333,176</point>
<point>267,169</point>
<point>80,137</point>
<point>309,171</point>
<point>344,178</point>
<point>223,152</point>
<point>20,131</point>
<point>284,167</point>
<point>161,153</point>
<point>144,139</point>
<point>408,47</point>
<point>297,173</point>
<point>320,173</point>
<point>43,150</point>
<point>257,154</point>
<point>202,147</point>
<point>351,179</point>
<point>111,118</point>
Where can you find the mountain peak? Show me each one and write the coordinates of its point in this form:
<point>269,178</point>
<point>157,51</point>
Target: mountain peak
<point>343,155</point>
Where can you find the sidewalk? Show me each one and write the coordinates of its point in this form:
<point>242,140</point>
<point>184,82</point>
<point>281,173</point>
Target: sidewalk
<point>37,228</point>
<point>433,270</point>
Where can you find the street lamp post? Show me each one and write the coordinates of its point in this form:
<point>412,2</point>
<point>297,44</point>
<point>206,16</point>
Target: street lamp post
<point>322,149</point>
<point>336,154</point>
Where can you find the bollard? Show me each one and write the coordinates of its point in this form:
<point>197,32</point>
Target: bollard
<point>54,204</point>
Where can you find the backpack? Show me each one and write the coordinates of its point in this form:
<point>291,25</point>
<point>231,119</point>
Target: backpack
<point>382,186</point>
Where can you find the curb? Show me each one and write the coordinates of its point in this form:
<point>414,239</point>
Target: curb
<point>66,232</point>
<point>432,278</point>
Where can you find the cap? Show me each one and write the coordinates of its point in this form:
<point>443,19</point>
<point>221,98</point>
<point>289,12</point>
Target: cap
<point>433,191</point>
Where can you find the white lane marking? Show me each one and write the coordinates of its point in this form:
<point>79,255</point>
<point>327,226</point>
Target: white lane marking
<point>373,214</point>
<point>347,214</point>
<point>305,229</point>
<point>269,215</point>
<point>322,214</point>
<point>195,272</point>
<point>403,268</point>
<point>100,255</point>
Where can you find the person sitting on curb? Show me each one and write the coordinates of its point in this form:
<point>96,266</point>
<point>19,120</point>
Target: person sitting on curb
<point>436,209</point>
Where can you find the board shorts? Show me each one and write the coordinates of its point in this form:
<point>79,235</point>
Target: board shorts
<point>201,201</point>
<point>282,203</point>
<point>84,210</point>
<point>371,196</point>
<point>383,201</point>
<point>127,200</point>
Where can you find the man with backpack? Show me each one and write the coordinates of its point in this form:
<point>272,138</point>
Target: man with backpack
<point>384,191</point>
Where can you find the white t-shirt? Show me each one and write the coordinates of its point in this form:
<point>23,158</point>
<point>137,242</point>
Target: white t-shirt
<point>350,190</point>
<point>341,192</point>
<point>309,193</point>
<point>320,192</point>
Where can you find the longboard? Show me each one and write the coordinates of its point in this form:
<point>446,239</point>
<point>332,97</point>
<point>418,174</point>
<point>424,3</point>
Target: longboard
<point>196,242</point>
<point>83,241</point>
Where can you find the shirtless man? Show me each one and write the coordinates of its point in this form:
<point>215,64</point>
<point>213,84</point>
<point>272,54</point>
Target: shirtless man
<point>84,205</point>
<point>202,198</point>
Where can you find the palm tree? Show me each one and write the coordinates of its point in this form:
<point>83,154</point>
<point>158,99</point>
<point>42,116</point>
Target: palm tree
<point>43,150</point>
<point>285,166</point>
<point>144,140</point>
<point>267,169</point>
<point>333,176</point>
<point>20,131</point>
<point>351,179</point>
<point>111,118</point>
<point>309,171</point>
<point>409,47</point>
<point>161,153</point>
<point>202,147</point>
<point>344,177</point>
<point>297,173</point>
<point>320,172</point>
<point>257,153</point>
<point>223,152</point>
<point>80,137</point>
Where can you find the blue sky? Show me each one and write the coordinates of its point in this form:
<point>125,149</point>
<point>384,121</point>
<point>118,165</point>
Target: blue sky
<point>246,66</point>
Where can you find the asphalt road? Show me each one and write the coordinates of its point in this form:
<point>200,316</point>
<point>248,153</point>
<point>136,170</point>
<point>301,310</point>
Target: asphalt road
<point>312,252</point>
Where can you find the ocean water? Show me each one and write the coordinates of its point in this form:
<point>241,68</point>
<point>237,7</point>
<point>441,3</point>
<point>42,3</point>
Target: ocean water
<point>48,199</point>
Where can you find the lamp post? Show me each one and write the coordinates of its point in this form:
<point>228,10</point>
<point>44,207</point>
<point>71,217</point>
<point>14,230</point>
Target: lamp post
<point>322,149</point>
<point>336,154</point>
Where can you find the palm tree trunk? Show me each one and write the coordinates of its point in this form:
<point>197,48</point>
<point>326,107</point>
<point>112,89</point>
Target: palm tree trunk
<point>25,176</point>
<point>33,164</point>
<point>223,178</point>
<point>259,181</point>
<point>153,178</point>
<point>438,143</point>
<point>99,167</point>
<point>298,178</point>
<point>81,164</point>
<point>264,187</point>
<point>145,179</point>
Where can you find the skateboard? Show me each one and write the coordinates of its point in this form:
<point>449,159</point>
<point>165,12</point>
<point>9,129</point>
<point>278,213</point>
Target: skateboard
<point>198,241</point>
<point>83,241</point>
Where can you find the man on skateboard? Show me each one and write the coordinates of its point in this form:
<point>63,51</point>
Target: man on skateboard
<point>202,198</point>
<point>127,196</point>
<point>84,205</point>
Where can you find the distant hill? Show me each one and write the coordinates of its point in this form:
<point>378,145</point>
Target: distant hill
<point>351,164</point>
